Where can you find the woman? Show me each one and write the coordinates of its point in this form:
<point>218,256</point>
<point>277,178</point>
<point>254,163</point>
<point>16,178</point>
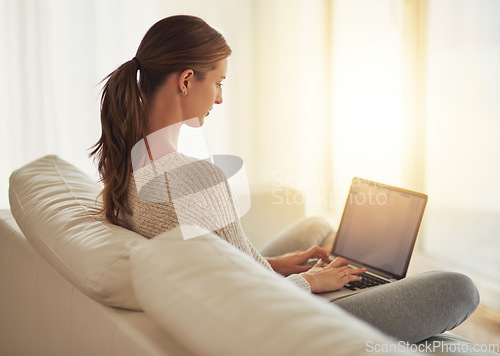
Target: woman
<point>150,188</point>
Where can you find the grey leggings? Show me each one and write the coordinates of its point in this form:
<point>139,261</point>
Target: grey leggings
<point>412,309</point>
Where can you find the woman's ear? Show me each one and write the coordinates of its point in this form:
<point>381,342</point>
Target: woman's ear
<point>184,81</point>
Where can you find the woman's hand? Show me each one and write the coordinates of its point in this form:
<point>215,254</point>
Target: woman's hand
<point>293,262</point>
<point>331,277</point>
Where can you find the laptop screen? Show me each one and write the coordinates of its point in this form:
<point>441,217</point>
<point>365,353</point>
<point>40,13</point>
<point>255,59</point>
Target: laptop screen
<point>379,226</point>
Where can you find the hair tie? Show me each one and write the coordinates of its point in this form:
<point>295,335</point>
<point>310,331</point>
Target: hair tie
<point>137,62</point>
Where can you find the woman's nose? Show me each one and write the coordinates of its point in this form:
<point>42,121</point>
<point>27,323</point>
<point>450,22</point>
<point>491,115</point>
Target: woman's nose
<point>218,99</point>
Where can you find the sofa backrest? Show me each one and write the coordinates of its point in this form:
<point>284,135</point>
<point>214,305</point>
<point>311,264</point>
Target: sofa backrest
<point>54,204</point>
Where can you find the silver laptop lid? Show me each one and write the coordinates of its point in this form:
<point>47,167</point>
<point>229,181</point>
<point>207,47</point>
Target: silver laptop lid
<point>379,227</point>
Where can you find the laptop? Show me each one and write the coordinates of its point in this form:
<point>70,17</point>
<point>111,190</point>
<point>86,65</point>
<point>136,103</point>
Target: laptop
<point>378,230</point>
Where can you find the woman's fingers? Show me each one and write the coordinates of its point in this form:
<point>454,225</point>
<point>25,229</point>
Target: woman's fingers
<point>357,270</point>
<point>351,278</point>
<point>353,270</point>
<point>300,269</point>
<point>317,252</point>
<point>352,273</point>
<point>314,252</point>
<point>339,261</point>
<point>330,277</point>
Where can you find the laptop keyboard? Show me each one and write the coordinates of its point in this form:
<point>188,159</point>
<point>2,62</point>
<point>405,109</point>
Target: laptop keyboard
<point>367,280</point>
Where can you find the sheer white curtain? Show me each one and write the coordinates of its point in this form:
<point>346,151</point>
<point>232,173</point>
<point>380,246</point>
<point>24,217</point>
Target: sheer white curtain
<point>54,54</point>
<point>368,130</point>
<point>291,118</point>
<point>462,143</point>
<point>332,97</point>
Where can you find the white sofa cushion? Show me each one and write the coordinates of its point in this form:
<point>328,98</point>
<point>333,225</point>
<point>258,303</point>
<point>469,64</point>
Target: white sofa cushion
<point>216,300</point>
<point>52,202</point>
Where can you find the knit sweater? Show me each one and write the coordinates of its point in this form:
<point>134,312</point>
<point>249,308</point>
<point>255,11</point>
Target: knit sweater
<point>181,190</point>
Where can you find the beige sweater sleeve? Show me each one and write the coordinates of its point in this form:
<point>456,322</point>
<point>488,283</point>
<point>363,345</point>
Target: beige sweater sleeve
<point>294,278</point>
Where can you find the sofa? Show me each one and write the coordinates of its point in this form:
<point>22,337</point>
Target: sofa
<point>74,284</point>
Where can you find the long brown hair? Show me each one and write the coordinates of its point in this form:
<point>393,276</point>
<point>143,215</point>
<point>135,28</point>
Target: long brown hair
<point>173,44</point>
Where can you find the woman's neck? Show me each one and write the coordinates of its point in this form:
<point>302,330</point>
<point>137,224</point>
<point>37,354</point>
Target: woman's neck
<point>165,119</point>
<point>163,141</point>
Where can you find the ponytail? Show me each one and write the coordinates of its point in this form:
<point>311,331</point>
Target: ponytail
<point>122,116</point>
